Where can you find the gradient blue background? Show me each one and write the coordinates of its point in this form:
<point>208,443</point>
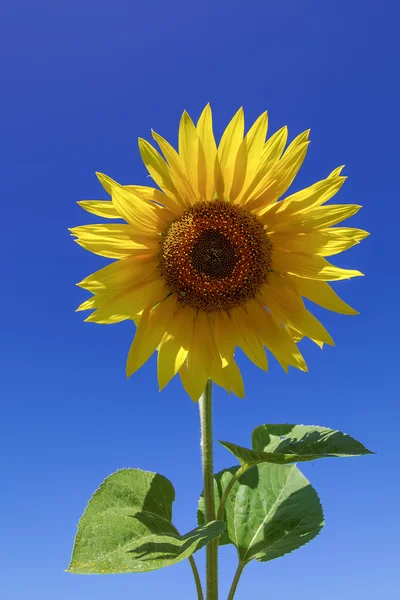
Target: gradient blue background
<point>80,81</point>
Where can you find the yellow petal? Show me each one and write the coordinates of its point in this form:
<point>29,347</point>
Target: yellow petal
<point>134,209</point>
<point>200,356</point>
<point>159,171</point>
<point>315,195</point>
<point>248,157</point>
<point>324,242</point>
<point>298,140</point>
<point>319,344</point>
<point>275,338</point>
<point>287,307</point>
<point>197,368</point>
<point>233,376</point>
<point>206,135</point>
<point>153,195</point>
<point>308,266</point>
<point>247,338</point>
<point>128,302</point>
<point>101,208</point>
<point>280,294</point>
<point>88,304</point>
<point>115,240</point>
<point>175,345</point>
<point>137,211</point>
<point>105,181</point>
<point>192,154</point>
<point>149,194</point>
<point>193,386</point>
<point>149,332</point>
<point>119,273</point>
<point>295,335</point>
<point>228,149</point>
<point>228,377</point>
<point>109,249</point>
<point>273,147</point>
<point>305,199</point>
<point>271,153</point>
<point>177,170</point>
<point>336,172</point>
<point>105,208</point>
<point>280,178</point>
<point>225,336</point>
<point>193,380</point>
<point>312,328</point>
<point>146,192</point>
<point>216,374</point>
<point>321,293</point>
<point>315,218</point>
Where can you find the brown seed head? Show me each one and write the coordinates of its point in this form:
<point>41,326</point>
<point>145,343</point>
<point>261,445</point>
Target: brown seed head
<point>215,256</point>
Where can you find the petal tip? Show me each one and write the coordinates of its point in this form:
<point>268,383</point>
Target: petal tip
<point>101,176</point>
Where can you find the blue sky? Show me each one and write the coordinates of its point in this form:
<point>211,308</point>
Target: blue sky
<point>80,82</point>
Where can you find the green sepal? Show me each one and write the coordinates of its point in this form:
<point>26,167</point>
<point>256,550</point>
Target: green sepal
<point>127,527</point>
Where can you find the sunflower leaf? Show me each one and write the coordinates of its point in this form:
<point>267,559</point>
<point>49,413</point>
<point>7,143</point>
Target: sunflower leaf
<point>284,444</point>
<point>127,527</point>
<point>307,442</point>
<point>270,511</point>
<point>157,550</point>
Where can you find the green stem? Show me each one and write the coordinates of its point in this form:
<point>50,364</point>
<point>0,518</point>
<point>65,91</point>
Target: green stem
<point>205,406</point>
<point>196,578</point>
<point>195,573</point>
<point>235,581</point>
<point>239,472</point>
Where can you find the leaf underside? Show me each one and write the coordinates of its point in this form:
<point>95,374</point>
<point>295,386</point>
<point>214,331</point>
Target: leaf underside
<point>285,444</point>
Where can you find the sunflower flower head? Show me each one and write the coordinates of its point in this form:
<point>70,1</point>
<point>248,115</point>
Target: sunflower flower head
<point>213,258</point>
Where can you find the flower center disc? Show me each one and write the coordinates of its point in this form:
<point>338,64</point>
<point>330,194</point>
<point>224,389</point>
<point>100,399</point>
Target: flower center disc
<point>215,256</point>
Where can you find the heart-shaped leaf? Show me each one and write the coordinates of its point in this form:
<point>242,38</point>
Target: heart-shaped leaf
<point>127,527</point>
<point>270,511</point>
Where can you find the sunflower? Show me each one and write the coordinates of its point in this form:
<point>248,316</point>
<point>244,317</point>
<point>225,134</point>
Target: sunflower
<point>213,259</point>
